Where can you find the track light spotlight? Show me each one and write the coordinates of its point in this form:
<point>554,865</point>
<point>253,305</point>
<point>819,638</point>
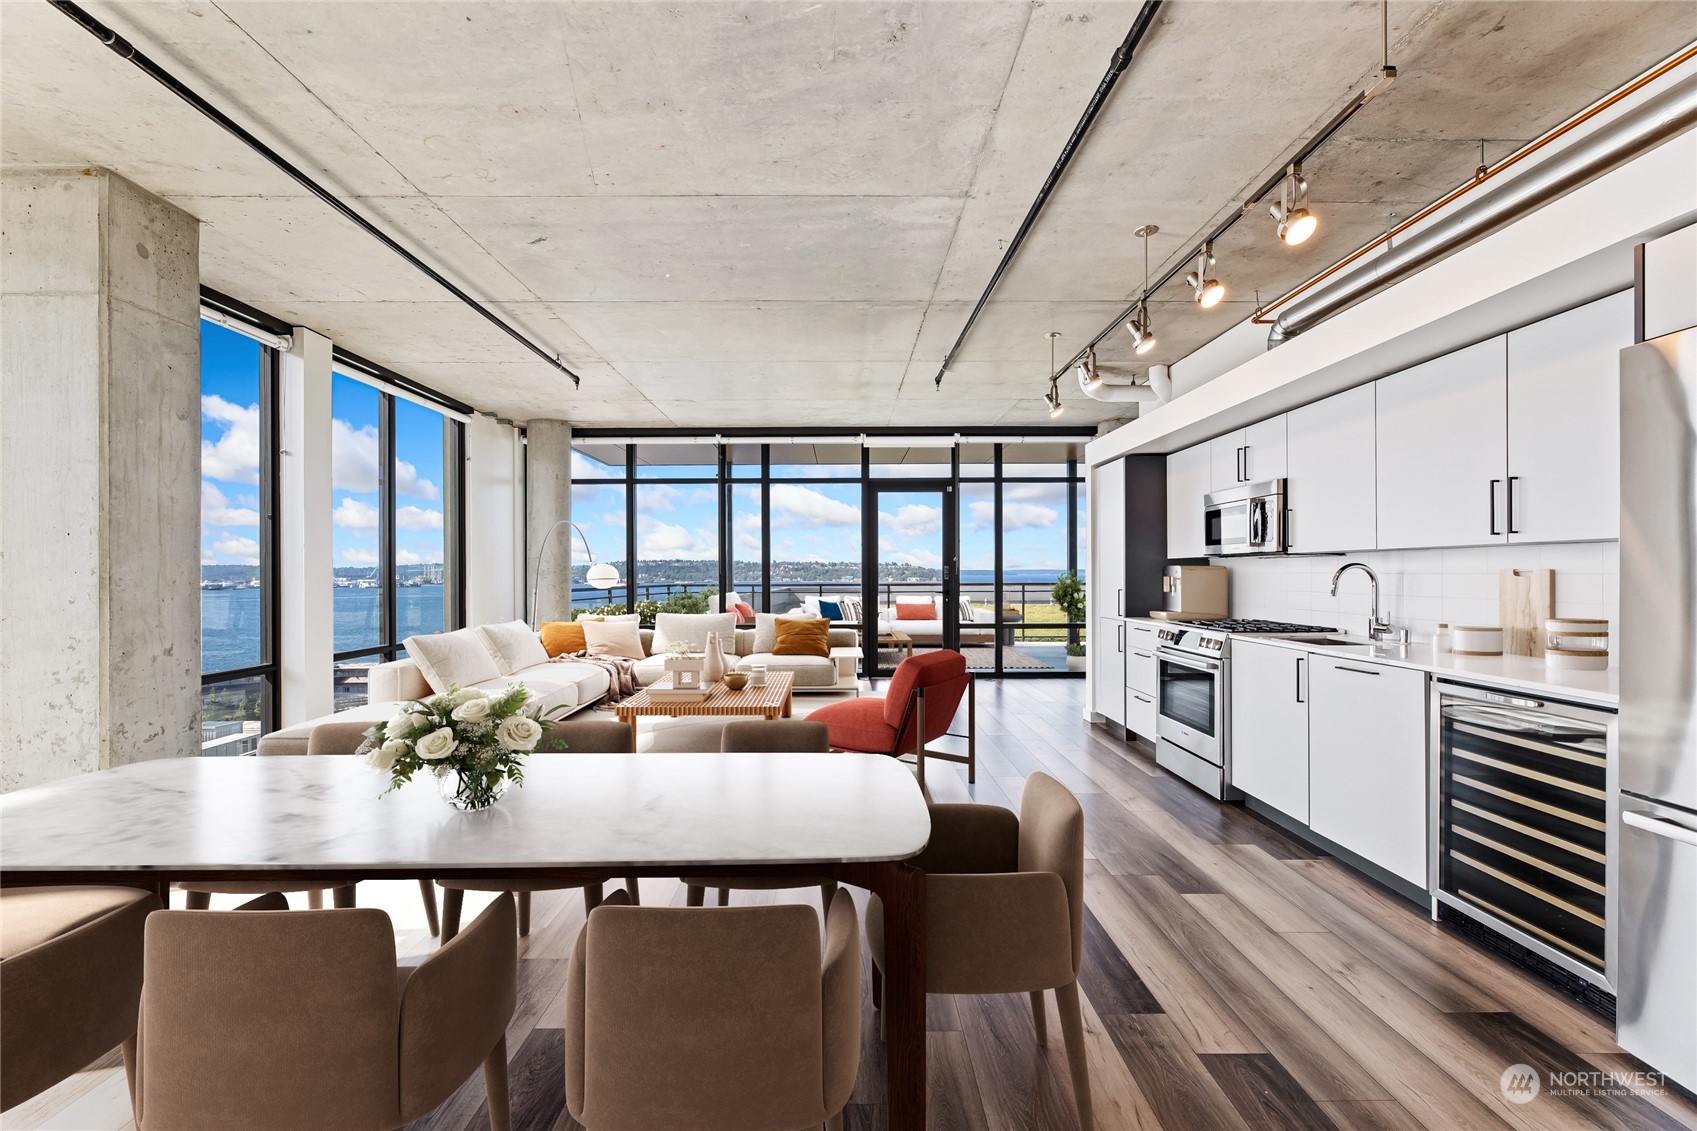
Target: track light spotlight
<point>1088,379</point>
<point>1052,398</point>
<point>1142,330</point>
<point>1207,290</point>
<point>1296,222</point>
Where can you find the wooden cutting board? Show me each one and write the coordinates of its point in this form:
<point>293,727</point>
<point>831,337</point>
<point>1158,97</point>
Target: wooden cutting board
<point>1526,598</point>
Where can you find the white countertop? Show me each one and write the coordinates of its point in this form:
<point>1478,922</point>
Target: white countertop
<point>177,815</point>
<point>1518,673</point>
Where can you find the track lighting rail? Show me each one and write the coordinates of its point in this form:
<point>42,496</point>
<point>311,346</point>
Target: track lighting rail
<point>1121,60</point>
<point>124,49</point>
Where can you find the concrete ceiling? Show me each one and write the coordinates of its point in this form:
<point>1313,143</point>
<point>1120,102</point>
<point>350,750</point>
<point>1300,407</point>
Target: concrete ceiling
<point>779,213</point>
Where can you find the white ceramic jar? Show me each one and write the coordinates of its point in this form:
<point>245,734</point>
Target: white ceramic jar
<point>1476,640</point>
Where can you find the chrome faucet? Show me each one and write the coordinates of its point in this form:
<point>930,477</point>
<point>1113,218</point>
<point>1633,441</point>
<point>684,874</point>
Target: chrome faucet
<point>1377,628</point>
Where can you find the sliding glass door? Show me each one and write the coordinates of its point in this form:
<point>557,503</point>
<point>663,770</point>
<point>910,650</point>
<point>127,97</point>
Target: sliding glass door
<point>911,583</point>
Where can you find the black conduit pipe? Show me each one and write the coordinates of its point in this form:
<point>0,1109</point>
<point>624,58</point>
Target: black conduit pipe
<point>124,49</point>
<point>1122,59</point>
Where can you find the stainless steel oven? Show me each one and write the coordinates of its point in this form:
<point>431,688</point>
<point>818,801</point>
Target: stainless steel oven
<point>1249,519</point>
<point>1190,729</point>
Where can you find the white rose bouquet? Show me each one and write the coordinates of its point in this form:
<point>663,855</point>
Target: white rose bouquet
<point>473,742</point>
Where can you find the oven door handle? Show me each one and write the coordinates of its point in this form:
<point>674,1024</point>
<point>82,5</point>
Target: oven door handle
<point>1187,661</point>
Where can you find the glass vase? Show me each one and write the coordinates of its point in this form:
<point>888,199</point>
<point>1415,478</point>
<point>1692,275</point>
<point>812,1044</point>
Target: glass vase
<point>472,790</point>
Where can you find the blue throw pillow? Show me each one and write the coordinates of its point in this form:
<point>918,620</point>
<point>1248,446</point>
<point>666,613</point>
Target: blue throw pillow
<point>830,610</point>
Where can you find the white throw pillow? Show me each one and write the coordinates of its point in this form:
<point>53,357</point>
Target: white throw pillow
<point>513,646</point>
<point>451,659</point>
<point>810,606</point>
<point>619,619</point>
<point>693,627</point>
<point>613,638</point>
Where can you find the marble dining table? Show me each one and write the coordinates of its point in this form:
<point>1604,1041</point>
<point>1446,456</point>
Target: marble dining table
<point>852,817</point>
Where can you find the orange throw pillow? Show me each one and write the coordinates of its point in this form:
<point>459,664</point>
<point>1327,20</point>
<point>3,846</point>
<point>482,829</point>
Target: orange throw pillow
<point>915,610</point>
<point>562,637</point>
<point>802,637</point>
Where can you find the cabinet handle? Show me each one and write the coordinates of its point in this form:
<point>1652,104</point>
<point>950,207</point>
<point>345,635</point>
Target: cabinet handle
<point>1299,697</point>
<point>1119,602</point>
<point>1143,655</point>
<point>1494,484</point>
<point>1121,635</point>
<point>1512,480</point>
<point>1141,698</point>
<point>1357,671</point>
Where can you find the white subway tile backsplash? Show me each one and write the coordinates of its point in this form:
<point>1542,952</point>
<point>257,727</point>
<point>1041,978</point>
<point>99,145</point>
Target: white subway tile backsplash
<point>1420,588</point>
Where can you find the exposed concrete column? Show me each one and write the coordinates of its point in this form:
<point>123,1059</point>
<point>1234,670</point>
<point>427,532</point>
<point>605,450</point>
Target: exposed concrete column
<point>549,490</point>
<point>99,476</point>
<point>306,585</point>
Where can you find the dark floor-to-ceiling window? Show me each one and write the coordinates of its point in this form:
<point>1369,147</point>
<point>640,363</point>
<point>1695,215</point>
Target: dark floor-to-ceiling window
<point>238,540</point>
<point>783,523</point>
<point>395,479</point>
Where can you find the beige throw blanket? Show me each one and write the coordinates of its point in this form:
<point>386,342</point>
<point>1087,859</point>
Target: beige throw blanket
<point>621,672</point>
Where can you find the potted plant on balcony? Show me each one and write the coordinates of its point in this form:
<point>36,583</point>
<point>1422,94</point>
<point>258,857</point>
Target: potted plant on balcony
<point>1068,593</point>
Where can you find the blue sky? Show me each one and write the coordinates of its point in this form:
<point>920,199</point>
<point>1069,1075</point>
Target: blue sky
<point>229,379</point>
<point>819,520</point>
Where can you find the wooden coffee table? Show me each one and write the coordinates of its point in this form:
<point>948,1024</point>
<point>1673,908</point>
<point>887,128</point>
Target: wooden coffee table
<point>769,702</point>
<point>896,638</point>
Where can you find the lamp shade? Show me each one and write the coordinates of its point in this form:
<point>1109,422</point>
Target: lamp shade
<point>602,576</point>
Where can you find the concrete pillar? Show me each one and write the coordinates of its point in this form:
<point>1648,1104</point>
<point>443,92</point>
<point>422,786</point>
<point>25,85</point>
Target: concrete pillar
<point>306,593</point>
<point>99,475</point>
<point>549,486</point>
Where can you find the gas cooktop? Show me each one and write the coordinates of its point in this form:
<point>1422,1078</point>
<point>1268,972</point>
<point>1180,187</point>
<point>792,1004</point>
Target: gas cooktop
<point>1251,626</point>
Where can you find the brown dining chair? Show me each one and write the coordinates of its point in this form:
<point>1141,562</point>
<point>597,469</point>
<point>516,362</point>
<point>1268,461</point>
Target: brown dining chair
<point>713,1018</point>
<point>1004,909</point>
<point>765,736</point>
<point>70,981</point>
<point>266,1019</point>
<point>581,736</point>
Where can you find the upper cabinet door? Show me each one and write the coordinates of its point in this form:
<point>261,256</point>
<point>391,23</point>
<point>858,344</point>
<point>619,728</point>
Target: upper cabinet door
<point>1331,498</point>
<point>1107,540</point>
<point>1227,454</point>
<point>1264,454</point>
<point>1188,481</point>
<point>1564,424</point>
<point>1670,283</point>
<point>1443,450</point>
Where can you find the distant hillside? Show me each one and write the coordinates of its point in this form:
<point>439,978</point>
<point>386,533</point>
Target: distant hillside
<point>688,571</point>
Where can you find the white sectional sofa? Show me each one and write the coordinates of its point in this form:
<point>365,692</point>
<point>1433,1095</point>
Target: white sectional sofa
<point>977,626</point>
<point>559,683</point>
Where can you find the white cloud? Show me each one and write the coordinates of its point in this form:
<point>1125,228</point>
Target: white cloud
<point>791,503</point>
<point>915,520</point>
<point>747,533</point>
<point>665,497</point>
<point>407,557</point>
<point>230,548</point>
<point>585,468</point>
<point>233,456</point>
<point>1022,516</point>
<point>919,558</point>
<point>1055,493</point>
<point>353,463</point>
<point>207,557</point>
<point>666,540</point>
<point>215,509</point>
<point>417,518</point>
<point>352,514</point>
<point>356,556</point>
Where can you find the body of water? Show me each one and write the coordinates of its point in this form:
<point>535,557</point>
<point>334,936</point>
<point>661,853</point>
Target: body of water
<point>229,621</point>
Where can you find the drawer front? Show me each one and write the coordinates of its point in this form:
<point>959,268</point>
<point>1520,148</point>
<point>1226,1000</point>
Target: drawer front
<point>1140,713</point>
<point>1140,666</point>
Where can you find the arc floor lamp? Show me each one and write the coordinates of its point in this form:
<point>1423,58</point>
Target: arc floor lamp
<point>601,574</point>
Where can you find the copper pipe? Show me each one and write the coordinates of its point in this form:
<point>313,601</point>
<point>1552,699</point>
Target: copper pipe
<point>1479,178</point>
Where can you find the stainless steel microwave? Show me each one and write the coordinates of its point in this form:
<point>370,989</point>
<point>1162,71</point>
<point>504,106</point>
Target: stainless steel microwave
<point>1249,519</point>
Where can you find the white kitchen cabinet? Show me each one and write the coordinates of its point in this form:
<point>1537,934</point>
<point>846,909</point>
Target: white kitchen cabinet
<point>1107,540</point>
<point>1443,450</point>
<point>1269,702</point>
<point>1225,461</point>
<point>1188,481</point>
<point>1264,450</point>
<point>1670,283</point>
<point>1331,497</point>
<point>1106,650</point>
<point>1140,678</point>
<point>1367,761</point>
<point>1564,424</point>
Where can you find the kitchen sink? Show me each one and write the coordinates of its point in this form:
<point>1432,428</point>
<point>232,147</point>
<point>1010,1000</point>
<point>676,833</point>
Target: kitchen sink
<point>1337,642</point>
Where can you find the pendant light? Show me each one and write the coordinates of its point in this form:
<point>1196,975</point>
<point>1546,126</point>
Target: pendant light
<point>1053,397</point>
<point>1141,329</point>
<point>1207,290</point>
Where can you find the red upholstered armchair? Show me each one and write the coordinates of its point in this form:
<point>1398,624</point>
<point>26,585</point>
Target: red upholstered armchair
<point>924,695</point>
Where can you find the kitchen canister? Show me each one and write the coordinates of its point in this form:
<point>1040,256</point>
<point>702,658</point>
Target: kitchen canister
<point>1575,644</point>
<point>1441,639</point>
<point>1476,640</point>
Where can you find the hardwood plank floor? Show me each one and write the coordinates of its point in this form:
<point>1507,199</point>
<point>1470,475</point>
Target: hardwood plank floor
<point>1233,978</point>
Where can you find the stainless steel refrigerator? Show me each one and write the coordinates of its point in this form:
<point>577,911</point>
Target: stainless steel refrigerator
<point>1657,986</point>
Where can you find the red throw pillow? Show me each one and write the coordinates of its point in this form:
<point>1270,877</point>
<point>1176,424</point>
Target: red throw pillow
<point>745,611</point>
<point>915,610</point>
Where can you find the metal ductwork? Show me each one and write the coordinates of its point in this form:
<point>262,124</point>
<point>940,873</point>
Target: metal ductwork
<point>1099,386</point>
<point>1660,119</point>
